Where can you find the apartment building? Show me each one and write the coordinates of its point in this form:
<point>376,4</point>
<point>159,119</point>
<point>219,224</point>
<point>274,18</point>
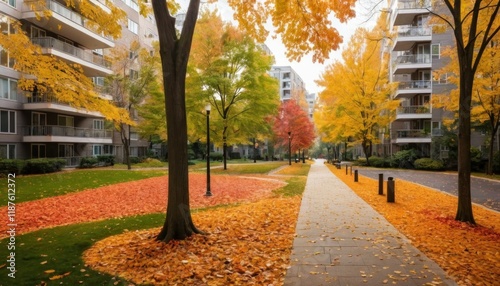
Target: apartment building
<point>36,125</point>
<point>415,53</point>
<point>290,83</point>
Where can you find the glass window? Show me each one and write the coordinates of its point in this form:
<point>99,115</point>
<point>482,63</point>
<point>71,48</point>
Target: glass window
<point>98,124</point>
<point>436,51</point>
<point>96,150</point>
<point>7,121</point>
<point>133,27</point>
<point>63,120</point>
<point>37,151</point>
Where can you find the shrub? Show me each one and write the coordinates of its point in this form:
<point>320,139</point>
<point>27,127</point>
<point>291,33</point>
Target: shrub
<point>216,156</point>
<point>106,160</point>
<point>428,164</point>
<point>190,163</point>
<point>496,163</point>
<point>134,160</point>
<point>9,166</point>
<point>89,162</point>
<point>404,159</point>
<point>378,162</point>
<point>235,155</point>
<point>42,166</point>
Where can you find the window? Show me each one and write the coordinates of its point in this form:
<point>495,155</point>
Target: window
<point>98,81</point>
<point>37,32</point>
<point>134,136</point>
<point>134,74</point>
<point>10,2</point>
<point>63,120</point>
<point>7,151</point>
<point>435,51</point>
<point>286,84</point>
<point>66,150</point>
<point>8,89</point>
<point>7,121</point>
<point>38,151</point>
<point>96,150</point>
<point>133,27</point>
<point>98,124</point>
<point>286,93</point>
<point>108,149</point>
<point>286,75</point>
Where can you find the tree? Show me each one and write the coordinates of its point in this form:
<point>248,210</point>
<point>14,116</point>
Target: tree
<point>292,120</point>
<point>133,79</point>
<point>357,93</point>
<point>229,71</point>
<point>304,27</point>
<point>48,75</point>
<point>474,25</point>
<point>485,103</point>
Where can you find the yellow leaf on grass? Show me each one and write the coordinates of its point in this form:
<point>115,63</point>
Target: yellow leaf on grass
<point>49,271</point>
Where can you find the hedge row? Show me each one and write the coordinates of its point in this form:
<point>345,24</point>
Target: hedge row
<point>31,166</point>
<point>99,161</point>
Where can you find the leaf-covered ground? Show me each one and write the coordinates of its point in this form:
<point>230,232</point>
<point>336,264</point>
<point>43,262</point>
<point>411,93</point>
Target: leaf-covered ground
<point>138,197</point>
<point>248,244</point>
<point>470,254</point>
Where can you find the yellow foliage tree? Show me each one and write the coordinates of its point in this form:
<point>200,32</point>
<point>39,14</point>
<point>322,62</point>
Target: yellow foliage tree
<point>356,99</point>
<point>44,74</point>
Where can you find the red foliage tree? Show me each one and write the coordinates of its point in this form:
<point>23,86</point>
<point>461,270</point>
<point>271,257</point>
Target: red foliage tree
<point>294,119</point>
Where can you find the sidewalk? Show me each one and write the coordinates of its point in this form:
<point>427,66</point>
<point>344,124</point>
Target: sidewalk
<point>341,240</point>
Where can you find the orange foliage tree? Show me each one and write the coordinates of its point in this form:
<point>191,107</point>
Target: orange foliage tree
<point>304,26</point>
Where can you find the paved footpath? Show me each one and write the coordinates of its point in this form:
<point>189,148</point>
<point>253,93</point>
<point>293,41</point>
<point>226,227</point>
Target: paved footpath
<point>341,240</point>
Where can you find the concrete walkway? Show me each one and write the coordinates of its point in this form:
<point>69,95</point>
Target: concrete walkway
<point>341,240</point>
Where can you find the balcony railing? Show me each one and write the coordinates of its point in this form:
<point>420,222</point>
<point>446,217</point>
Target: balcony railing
<point>72,16</point>
<point>415,84</point>
<point>414,4</point>
<point>33,97</point>
<point>415,109</point>
<point>88,56</point>
<point>414,32</point>
<point>413,133</point>
<point>414,59</point>
<point>66,131</point>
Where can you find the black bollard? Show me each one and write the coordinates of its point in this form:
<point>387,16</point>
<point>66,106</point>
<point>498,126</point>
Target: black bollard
<point>355,175</point>
<point>380,184</point>
<point>346,167</point>
<point>390,190</point>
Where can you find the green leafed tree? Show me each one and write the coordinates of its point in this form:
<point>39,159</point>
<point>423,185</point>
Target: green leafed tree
<point>230,72</point>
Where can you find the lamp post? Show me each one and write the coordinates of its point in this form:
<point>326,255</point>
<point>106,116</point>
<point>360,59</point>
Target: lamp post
<point>328,153</point>
<point>208,193</point>
<point>289,148</point>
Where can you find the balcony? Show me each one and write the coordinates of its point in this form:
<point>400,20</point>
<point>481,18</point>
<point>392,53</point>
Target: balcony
<point>405,136</point>
<point>91,63</point>
<point>48,103</point>
<point>408,36</point>
<point>413,112</point>
<point>409,89</point>
<point>65,134</point>
<point>66,23</point>
<point>407,64</point>
<point>406,11</point>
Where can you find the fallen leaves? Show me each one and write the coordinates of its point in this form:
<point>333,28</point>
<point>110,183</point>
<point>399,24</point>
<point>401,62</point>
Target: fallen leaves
<point>470,254</point>
<point>246,244</point>
<point>131,198</point>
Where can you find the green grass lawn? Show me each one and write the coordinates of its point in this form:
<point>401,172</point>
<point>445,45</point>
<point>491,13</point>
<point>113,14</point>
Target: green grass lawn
<point>253,168</point>
<point>60,248</point>
<point>35,187</point>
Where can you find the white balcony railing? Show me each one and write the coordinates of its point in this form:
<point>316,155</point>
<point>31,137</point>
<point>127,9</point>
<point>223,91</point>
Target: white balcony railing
<point>412,133</point>
<point>414,32</point>
<point>414,59</point>
<point>414,4</point>
<point>88,56</point>
<point>415,84</point>
<point>415,109</point>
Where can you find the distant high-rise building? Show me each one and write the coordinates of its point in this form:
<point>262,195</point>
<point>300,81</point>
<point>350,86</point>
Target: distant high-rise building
<point>290,83</point>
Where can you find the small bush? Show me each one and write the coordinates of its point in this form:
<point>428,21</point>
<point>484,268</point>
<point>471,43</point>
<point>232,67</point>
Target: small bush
<point>496,163</point>
<point>216,156</point>
<point>89,162</point>
<point>404,159</point>
<point>428,164</point>
<point>235,155</point>
<point>106,160</point>
<point>378,162</point>
<point>42,166</point>
<point>190,163</point>
<point>9,166</point>
<point>135,160</point>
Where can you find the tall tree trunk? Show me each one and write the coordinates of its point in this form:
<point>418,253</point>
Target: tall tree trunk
<point>174,57</point>
<point>464,210</point>
<point>366,150</point>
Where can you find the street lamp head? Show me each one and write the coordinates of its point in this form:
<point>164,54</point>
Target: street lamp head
<point>289,133</point>
<point>208,107</point>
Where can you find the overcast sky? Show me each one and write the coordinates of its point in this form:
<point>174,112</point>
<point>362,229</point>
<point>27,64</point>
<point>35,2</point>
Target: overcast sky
<point>307,70</point>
